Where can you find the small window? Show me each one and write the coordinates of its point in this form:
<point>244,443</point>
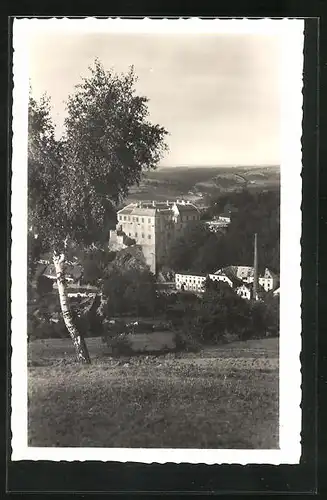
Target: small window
<point>135,235</point>
<point>120,217</point>
<point>142,219</point>
<point>124,217</point>
<point>128,218</point>
<point>142,235</point>
<point>129,234</point>
<point>149,221</point>
<point>149,236</point>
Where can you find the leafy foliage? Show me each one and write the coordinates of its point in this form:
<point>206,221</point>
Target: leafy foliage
<point>220,314</point>
<point>131,291</point>
<point>182,254</point>
<point>94,262</point>
<point>254,212</point>
<point>199,250</point>
<point>76,182</point>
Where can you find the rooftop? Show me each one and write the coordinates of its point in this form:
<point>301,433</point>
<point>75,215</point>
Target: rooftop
<point>151,207</point>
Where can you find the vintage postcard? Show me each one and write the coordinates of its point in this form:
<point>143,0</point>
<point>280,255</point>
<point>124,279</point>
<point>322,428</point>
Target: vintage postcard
<point>156,225</point>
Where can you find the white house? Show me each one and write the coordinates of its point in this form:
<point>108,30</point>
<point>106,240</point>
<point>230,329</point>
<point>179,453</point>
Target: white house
<point>268,280</point>
<point>190,282</point>
<point>220,276</point>
<point>195,282</point>
<point>218,223</point>
<point>244,291</point>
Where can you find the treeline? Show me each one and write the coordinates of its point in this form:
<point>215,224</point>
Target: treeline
<point>218,316</point>
<point>198,249</point>
<point>221,316</point>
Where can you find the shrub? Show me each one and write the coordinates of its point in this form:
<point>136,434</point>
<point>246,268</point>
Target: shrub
<point>44,285</point>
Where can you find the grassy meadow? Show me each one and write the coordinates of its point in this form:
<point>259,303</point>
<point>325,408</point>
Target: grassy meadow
<point>223,397</point>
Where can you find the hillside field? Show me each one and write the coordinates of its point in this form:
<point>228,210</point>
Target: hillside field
<point>223,397</point>
<point>196,183</point>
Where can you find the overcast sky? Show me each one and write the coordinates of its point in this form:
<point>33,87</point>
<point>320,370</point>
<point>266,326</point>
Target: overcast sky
<point>216,94</point>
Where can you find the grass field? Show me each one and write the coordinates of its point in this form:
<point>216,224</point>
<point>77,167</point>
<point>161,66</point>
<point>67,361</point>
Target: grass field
<point>226,397</point>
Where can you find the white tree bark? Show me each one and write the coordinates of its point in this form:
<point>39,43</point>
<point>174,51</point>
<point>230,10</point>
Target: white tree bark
<point>77,339</point>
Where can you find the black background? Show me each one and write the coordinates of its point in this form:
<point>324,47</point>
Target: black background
<point>189,479</point>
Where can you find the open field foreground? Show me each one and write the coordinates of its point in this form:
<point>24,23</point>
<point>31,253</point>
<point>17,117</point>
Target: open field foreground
<point>224,397</point>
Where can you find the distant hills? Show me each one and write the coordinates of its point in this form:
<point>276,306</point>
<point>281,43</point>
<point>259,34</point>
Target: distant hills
<point>199,183</point>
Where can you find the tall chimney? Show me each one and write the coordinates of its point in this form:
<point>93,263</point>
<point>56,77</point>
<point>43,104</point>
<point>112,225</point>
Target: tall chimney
<point>255,266</point>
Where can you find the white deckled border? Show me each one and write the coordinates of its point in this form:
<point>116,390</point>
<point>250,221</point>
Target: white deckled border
<point>291,37</point>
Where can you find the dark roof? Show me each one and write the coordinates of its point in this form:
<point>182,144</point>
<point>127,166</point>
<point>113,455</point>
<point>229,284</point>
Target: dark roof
<point>75,271</point>
<point>188,273</point>
<point>234,279</point>
<point>250,286</point>
<point>187,208</point>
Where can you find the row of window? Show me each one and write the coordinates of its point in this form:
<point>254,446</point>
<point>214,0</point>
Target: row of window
<point>134,219</point>
<point>142,235</point>
<point>190,280</point>
<point>190,217</point>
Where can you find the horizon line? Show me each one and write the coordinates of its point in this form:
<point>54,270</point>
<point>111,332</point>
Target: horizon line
<point>182,165</point>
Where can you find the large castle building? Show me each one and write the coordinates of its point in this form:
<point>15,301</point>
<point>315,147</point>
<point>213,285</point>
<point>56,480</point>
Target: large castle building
<point>153,225</point>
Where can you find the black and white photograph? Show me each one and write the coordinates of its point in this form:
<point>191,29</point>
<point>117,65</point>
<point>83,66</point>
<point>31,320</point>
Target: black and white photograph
<point>156,225</point>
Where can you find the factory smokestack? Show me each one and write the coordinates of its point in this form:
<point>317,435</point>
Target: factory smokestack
<point>255,266</point>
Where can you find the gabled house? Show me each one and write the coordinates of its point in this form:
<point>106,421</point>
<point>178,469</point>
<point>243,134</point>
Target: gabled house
<point>245,291</point>
<point>268,280</point>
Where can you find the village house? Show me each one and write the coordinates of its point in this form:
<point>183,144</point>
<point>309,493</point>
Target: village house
<point>73,272</point>
<point>190,282</point>
<point>268,280</point>
<point>218,223</point>
<point>152,225</point>
<point>246,291</point>
<point>195,282</point>
<point>239,278</point>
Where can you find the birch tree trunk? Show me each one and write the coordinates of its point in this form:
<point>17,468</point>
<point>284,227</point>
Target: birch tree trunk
<point>78,340</point>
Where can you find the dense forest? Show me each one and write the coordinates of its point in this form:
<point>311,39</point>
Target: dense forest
<point>198,249</point>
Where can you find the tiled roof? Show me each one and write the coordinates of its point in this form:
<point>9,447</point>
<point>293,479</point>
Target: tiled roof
<point>126,210</point>
<point>75,271</point>
<point>249,286</point>
<point>233,277</point>
<point>187,208</point>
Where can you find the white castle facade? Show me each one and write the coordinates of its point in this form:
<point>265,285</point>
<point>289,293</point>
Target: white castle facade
<point>153,225</point>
